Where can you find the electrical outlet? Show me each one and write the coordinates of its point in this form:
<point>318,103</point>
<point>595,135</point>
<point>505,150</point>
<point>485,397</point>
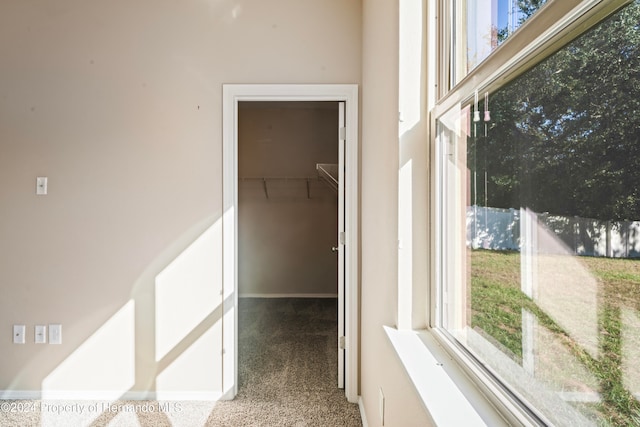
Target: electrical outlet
<point>55,334</point>
<point>40,333</point>
<point>19,332</point>
<point>41,185</point>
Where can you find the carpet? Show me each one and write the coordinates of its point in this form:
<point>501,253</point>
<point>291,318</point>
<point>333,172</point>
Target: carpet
<point>287,376</point>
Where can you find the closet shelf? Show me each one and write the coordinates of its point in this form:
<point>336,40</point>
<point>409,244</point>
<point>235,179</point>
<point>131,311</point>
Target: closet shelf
<point>264,180</point>
<point>328,173</point>
<point>277,178</point>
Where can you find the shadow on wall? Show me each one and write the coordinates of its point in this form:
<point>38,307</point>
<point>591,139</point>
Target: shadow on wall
<point>165,342</point>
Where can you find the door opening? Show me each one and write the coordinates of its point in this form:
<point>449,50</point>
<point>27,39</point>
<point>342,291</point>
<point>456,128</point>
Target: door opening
<point>344,99</point>
<point>291,207</point>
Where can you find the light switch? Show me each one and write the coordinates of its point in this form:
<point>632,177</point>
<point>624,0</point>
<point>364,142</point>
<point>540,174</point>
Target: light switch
<point>41,185</point>
<point>19,332</point>
<point>55,334</point>
<point>40,334</point>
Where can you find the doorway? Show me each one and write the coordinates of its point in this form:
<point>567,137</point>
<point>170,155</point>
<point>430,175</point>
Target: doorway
<point>287,218</point>
<point>346,242</point>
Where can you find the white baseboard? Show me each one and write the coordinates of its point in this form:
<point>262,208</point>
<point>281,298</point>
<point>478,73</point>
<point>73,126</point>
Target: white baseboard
<point>363,414</point>
<point>250,295</point>
<point>109,395</point>
<point>20,395</point>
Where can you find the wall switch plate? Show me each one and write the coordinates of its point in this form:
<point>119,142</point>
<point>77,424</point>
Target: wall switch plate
<point>41,185</point>
<point>40,333</point>
<point>19,332</point>
<point>55,334</point>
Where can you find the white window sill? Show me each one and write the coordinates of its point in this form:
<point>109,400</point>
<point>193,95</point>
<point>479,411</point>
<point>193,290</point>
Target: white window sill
<point>449,396</point>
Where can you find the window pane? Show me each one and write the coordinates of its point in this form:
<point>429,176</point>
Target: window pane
<point>490,22</point>
<point>540,228</point>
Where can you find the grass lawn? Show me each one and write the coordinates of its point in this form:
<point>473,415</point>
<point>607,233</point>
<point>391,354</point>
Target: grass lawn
<point>611,367</point>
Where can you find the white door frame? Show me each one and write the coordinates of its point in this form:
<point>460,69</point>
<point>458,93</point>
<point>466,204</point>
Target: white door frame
<point>232,95</point>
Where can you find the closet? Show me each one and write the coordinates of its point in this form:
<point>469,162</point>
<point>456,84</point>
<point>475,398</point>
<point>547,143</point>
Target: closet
<point>287,198</point>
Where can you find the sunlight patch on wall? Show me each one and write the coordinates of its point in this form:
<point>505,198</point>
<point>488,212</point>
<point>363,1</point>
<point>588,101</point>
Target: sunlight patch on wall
<point>405,246</point>
<point>105,362</point>
<point>410,56</point>
<point>229,253</point>
<point>196,371</point>
<point>228,10</point>
<point>188,290</point>
<point>236,11</point>
<point>230,361</point>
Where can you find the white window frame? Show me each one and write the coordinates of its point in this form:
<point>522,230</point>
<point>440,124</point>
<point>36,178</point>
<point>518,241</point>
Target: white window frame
<point>554,25</point>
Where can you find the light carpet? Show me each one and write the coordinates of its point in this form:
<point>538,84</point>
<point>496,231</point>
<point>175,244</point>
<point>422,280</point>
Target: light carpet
<point>287,377</point>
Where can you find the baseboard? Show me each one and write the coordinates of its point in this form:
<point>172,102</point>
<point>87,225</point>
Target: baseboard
<point>20,395</point>
<point>249,295</point>
<point>109,395</point>
<point>363,413</point>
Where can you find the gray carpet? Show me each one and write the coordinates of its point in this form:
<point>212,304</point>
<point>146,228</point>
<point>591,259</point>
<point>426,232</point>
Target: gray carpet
<point>288,366</point>
<point>287,377</point>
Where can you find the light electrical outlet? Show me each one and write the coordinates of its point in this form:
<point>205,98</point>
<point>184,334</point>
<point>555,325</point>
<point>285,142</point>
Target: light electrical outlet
<point>40,334</point>
<point>55,334</point>
<point>41,185</point>
<point>19,332</point>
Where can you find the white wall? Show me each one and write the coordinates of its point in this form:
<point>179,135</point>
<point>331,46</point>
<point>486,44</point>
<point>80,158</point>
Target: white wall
<point>119,104</point>
<point>285,233</point>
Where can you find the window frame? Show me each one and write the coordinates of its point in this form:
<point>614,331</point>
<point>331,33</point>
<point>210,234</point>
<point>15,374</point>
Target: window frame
<point>556,24</point>
<point>553,26</point>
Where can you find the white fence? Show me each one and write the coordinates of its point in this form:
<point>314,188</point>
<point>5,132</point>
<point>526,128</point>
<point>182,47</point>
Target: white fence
<point>501,229</point>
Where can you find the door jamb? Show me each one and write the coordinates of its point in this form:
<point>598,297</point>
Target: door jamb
<point>232,94</point>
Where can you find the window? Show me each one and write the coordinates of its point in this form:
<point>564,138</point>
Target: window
<point>489,23</point>
<point>538,213</point>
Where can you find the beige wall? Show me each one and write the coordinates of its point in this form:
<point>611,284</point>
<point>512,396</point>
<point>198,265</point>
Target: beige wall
<point>384,153</point>
<point>119,104</point>
<point>285,235</point>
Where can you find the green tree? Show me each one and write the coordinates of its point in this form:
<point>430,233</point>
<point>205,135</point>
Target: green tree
<point>565,137</point>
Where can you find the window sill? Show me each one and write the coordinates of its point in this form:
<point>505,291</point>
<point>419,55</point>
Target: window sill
<point>449,396</point>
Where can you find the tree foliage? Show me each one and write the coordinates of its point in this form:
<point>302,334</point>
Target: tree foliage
<point>526,9</point>
<point>529,7</point>
<point>564,137</point>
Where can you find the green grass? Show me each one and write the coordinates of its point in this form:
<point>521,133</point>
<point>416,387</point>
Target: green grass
<point>496,311</point>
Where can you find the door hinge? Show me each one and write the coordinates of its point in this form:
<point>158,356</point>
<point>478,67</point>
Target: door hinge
<point>342,239</point>
<point>342,133</point>
<point>342,342</point>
